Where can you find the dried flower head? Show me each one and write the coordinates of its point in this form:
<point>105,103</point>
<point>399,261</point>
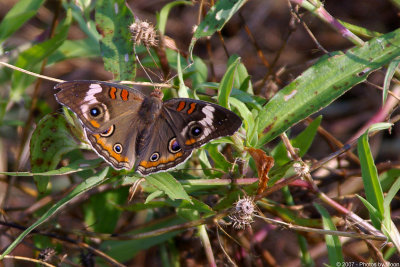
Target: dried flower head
<point>301,168</point>
<point>242,214</point>
<point>143,32</point>
<point>46,254</point>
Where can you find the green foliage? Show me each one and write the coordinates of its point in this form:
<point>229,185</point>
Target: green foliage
<point>180,196</point>
<point>112,20</point>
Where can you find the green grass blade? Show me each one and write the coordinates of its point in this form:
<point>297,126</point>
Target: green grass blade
<point>333,245</point>
<point>226,84</point>
<point>80,189</point>
<point>218,15</point>
<point>21,12</point>
<point>168,184</point>
<point>74,167</point>
<point>373,189</point>
<point>32,57</point>
<point>325,81</point>
<point>215,19</point>
<point>163,16</point>
<point>388,77</point>
<point>113,19</point>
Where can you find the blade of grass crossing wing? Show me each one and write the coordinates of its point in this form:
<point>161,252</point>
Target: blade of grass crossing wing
<point>333,244</point>
<point>78,190</point>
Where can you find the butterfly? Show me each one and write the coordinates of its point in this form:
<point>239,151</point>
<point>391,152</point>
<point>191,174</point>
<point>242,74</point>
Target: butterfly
<point>131,130</point>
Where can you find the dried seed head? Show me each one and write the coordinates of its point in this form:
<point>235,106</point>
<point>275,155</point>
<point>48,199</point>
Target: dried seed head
<point>143,32</point>
<point>301,168</point>
<point>242,214</point>
<point>46,254</point>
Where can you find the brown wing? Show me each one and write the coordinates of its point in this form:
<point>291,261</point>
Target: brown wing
<point>99,104</point>
<point>158,149</point>
<point>197,122</point>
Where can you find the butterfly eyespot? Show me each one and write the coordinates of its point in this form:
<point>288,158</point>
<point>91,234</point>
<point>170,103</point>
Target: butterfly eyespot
<point>196,130</point>
<point>118,148</point>
<point>108,132</point>
<point>155,156</point>
<point>173,146</point>
<point>94,112</point>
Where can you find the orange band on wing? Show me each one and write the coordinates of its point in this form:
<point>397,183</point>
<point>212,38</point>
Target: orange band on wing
<point>109,149</point>
<point>181,106</point>
<point>124,94</point>
<point>94,123</point>
<point>192,106</point>
<point>163,160</point>
<point>112,92</point>
<point>190,141</point>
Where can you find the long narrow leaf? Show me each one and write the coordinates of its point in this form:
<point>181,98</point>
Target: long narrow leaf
<point>333,245</point>
<point>80,189</point>
<point>325,81</point>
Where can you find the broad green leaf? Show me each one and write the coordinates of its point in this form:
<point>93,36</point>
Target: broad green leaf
<point>391,194</point>
<point>333,245</point>
<point>374,214</point>
<point>198,72</point>
<point>325,81</point>
<point>52,138</point>
<point>101,213</point>
<point>219,160</point>
<point>388,77</point>
<point>78,190</point>
<point>84,48</point>
<point>113,19</point>
<point>163,16</point>
<point>31,58</point>
<point>215,19</point>
<point>168,184</point>
<point>153,195</point>
<point>183,89</point>
<point>226,84</point>
<point>388,178</point>
<point>373,189</point>
<point>196,205</point>
<point>245,113</point>
<point>241,75</point>
<point>118,249</point>
<point>81,14</point>
<point>21,12</point>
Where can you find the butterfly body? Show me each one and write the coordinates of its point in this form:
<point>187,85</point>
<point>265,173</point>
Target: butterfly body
<point>131,130</point>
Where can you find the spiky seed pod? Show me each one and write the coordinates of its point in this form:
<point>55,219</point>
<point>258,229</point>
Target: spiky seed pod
<point>242,213</point>
<point>46,254</point>
<point>143,32</point>
<point>301,168</point>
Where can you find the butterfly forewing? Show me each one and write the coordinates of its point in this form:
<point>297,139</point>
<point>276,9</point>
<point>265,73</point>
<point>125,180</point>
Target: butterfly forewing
<point>98,104</point>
